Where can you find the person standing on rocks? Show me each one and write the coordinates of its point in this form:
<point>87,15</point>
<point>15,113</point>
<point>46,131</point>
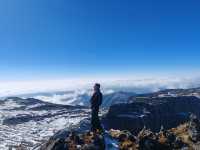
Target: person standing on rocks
<point>96,101</point>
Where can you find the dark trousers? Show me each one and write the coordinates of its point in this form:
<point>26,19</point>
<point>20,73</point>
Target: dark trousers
<point>95,122</point>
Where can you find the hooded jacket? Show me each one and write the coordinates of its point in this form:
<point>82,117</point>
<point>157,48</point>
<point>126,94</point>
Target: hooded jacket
<point>96,100</point>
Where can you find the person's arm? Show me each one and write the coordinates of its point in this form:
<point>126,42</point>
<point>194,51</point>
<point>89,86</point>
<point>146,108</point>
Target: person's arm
<point>100,99</point>
<point>92,100</point>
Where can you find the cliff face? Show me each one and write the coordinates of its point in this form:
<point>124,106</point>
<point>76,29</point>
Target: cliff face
<point>151,113</point>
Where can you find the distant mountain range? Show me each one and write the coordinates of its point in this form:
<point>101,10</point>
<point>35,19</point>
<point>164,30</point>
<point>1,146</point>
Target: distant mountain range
<point>174,93</point>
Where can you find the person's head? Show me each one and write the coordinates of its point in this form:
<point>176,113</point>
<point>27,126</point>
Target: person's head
<point>97,87</point>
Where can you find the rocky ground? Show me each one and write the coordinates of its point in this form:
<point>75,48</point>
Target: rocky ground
<point>186,136</point>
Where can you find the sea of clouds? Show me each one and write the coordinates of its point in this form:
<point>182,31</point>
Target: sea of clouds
<point>76,91</point>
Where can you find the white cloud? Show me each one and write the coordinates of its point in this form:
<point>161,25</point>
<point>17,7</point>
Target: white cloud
<point>69,98</point>
<point>25,87</point>
<point>85,85</point>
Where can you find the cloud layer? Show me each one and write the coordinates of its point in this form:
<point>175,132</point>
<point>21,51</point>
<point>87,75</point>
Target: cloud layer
<point>78,91</point>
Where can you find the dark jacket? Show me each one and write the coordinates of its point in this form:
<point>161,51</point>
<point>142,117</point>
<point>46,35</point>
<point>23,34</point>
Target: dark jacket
<point>96,100</point>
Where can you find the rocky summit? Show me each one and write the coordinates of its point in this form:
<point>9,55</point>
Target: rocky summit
<point>186,136</point>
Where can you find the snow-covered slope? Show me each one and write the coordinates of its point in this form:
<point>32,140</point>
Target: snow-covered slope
<point>29,121</point>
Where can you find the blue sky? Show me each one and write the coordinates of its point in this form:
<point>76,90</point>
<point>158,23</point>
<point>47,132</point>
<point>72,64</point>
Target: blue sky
<point>76,38</point>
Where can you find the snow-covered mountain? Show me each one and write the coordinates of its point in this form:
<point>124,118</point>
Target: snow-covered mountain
<point>30,120</point>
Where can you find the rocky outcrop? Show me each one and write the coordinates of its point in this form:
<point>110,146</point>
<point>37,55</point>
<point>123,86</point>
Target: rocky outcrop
<point>74,141</point>
<point>179,138</point>
<point>152,113</point>
<point>74,138</point>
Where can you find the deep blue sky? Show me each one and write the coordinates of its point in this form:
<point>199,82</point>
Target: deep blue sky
<point>74,38</point>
